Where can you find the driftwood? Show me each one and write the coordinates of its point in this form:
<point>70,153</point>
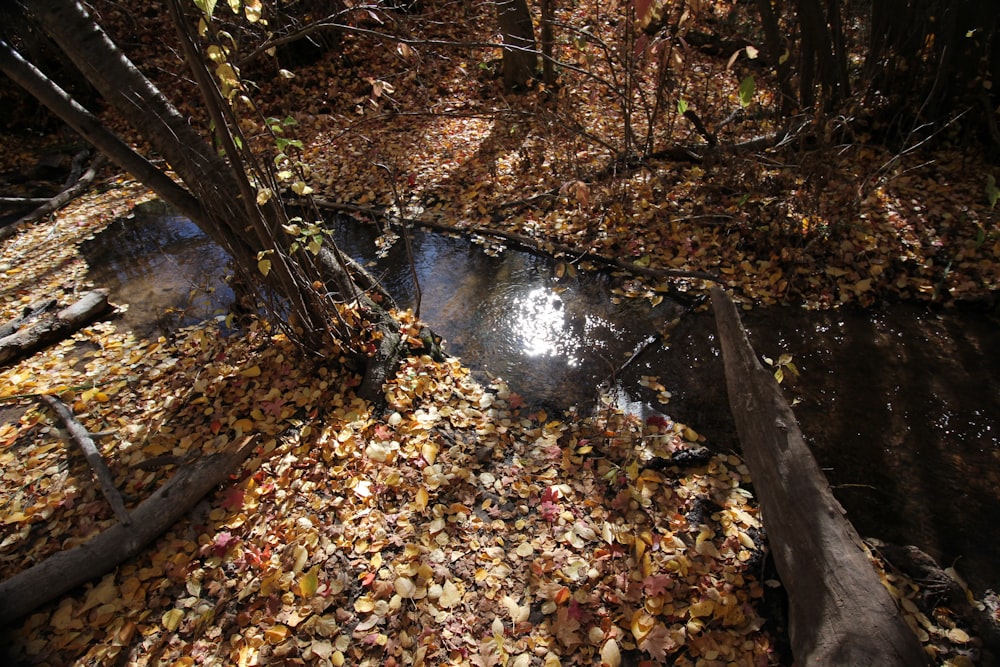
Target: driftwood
<point>53,328</point>
<point>82,438</point>
<point>839,611</point>
<point>64,571</point>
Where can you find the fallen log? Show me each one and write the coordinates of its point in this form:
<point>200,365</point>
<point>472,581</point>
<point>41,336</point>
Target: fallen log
<point>54,328</point>
<point>81,437</point>
<point>73,189</point>
<point>29,313</point>
<point>61,573</point>
<point>839,611</point>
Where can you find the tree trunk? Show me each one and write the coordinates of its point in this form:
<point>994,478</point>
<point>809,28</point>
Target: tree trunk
<point>54,328</point>
<point>520,56</point>
<point>218,196</point>
<point>548,71</point>
<point>839,612</point>
<point>62,572</point>
<point>91,129</point>
<point>775,48</point>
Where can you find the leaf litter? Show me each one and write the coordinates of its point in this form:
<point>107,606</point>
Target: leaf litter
<point>461,525</point>
<point>458,525</point>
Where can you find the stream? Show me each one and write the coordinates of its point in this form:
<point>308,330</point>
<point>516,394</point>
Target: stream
<point>899,405</point>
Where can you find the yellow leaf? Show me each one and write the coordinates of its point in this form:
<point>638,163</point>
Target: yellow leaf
<point>242,426</point>
<point>309,582</point>
<point>253,10</point>
<point>450,595</point>
<point>264,266</point>
<point>263,196</point>
<point>103,593</point>
<point>610,653</point>
<point>642,623</point>
<point>422,498</point>
<point>702,608</point>
<point>276,634</point>
<point>252,372</point>
<point>172,619</point>
<point>958,635</point>
<point>227,75</point>
<point>405,587</point>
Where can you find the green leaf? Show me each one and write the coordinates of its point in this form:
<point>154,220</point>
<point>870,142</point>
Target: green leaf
<point>992,191</point>
<point>747,88</point>
<point>682,106</point>
<point>207,6</point>
<point>264,266</point>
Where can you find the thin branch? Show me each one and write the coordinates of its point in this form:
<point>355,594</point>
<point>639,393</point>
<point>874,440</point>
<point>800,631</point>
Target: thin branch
<point>78,434</point>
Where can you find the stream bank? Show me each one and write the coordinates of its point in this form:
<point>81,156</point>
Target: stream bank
<point>900,405</point>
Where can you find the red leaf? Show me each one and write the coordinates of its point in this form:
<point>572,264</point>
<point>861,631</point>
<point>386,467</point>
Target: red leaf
<point>222,542</point>
<point>233,499</point>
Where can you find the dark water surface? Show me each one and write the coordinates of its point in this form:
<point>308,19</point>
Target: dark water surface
<point>900,406</point>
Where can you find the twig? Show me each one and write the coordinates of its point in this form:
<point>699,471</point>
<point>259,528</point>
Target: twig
<point>82,438</point>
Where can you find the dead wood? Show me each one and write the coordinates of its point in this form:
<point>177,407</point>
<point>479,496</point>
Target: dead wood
<point>30,312</point>
<point>540,247</point>
<point>64,571</point>
<point>79,434</point>
<point>938,587</point>
<point>839,611</point>
<point>72,191</point>
<point>55,327</point>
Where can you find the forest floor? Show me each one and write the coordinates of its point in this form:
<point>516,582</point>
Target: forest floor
<point>459,525</point>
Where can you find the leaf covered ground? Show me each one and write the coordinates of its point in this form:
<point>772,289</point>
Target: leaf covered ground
<point>455,526</point>
<point>458,525</point>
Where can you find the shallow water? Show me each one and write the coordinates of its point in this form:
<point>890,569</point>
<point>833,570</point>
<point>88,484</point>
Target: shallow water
<point>900,406</point>
<point>163,267</point>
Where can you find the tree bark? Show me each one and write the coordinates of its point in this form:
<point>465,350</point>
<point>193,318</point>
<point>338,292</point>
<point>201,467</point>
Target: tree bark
<point>64,571</point>
<point>839,611</point>
<point>54,328</point>
<point>774,44</point>
<point>520,56</point>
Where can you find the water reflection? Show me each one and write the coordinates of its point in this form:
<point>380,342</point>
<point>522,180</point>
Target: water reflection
<point>553,339</point>
<point>543,326</point>
<point>162,267</point>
